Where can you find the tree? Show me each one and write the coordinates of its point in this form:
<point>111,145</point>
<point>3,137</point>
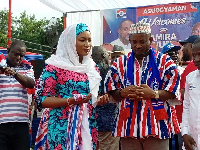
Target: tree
<point>34,32</point>
<point>3,27</point>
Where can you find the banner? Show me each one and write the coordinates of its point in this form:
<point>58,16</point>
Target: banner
<point>169,23</point>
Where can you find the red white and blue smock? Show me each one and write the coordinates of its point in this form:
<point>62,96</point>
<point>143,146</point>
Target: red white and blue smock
<point>141,119</point>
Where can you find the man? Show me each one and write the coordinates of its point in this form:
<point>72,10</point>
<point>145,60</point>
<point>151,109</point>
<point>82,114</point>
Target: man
<point>15,78</point>
<point>144,83</point>
<point>123,32</point>
<point>196,29</point>
<point>187,46</point>
<point>105,113</point>
<point>187,56</point>
<point>191,113</point>
<point>172,50</point>
<point>117,51</point>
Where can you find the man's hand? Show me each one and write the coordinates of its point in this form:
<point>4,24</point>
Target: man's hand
<point>147,92</point>
<point>8,71</point>
<point>189,142</point>
<point>102,100</point>
<point>132,93</point>
<point>138,92</point>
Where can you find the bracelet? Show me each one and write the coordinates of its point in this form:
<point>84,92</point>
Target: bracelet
<point>120,93</point>
<point>67,101</point>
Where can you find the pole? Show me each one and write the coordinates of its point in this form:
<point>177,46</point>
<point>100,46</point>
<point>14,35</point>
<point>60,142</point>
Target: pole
<point>65,20</point>
<point>9,24</point>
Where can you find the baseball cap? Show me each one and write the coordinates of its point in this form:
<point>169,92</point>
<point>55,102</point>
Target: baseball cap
<point>190,39</point>
<point>169,46</point>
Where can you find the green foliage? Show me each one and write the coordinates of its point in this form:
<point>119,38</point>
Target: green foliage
<point>3,27</point>
<point>38,35</point>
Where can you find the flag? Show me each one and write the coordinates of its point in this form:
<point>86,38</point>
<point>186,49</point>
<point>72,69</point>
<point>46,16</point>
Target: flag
<point>121,13</point>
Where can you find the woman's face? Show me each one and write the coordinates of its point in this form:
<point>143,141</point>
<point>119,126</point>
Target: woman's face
<point>83,44</point>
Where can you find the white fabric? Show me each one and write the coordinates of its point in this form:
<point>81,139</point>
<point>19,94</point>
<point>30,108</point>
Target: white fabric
<point>85,131</point>
<point>119,43</point>
<point>67,58</point>
<point>191,107</point>
<point>93,19</point>
<point>180,69</point>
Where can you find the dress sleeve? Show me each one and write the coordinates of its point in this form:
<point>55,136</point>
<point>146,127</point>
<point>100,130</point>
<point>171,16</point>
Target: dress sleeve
<point>49,81</point>
<point>114,78</point>
<point>171,80</point>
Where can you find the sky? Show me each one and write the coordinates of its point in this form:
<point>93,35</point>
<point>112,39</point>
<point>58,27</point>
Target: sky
<point>31,7</point>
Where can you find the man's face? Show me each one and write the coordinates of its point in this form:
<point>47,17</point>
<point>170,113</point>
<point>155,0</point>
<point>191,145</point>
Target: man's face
<point>187,53</point>
<point>196,55</point>
<point>140,44</point>
<point>16,55</point>
<point>173,53</point>
<point>196,29</point>
<point>124,32</point>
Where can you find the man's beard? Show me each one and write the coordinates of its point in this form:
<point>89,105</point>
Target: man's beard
<point>124,41</point>
<point>144,54</point>
<point>185,58</point>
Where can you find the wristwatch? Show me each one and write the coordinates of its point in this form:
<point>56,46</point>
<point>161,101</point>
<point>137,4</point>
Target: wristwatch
<point>156,94</point>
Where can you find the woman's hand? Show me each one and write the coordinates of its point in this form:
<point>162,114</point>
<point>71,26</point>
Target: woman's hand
<point>76,101</point>
<point>102,100</point>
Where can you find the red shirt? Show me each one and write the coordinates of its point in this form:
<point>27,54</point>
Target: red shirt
<point>190,67</point>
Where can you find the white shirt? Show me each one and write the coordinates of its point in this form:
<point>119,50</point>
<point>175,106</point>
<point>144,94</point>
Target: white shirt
<point>180,69</point>
<point>119,43</point>
<point>191,107</point>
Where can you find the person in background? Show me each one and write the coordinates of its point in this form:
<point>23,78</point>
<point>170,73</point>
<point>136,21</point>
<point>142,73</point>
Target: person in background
<point>54,49</point>
<point>117,51</point>
<point>107,112</point>
<point>191,115</point>
<point>145,83</point>
<point>172,50</point>
<point>187,57</point>
<point>16,76</point>
<point>196,29</point>
<point>70,89</point>
<point>123,39</point>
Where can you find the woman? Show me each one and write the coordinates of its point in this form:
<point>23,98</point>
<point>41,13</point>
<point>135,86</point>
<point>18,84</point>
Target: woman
<point>70,89</point>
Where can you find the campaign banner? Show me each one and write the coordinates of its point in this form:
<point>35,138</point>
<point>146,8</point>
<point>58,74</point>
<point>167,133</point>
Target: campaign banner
<point>169,23</point>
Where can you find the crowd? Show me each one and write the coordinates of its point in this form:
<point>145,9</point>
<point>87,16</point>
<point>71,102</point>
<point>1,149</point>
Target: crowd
<point>94,100</point>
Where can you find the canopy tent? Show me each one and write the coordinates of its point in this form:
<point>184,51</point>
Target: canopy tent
<point>29,56</point>
<point>66,6</point>
<point>89,11</point>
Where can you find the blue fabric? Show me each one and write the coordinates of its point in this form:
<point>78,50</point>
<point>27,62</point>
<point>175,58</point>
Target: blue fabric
<point>105,113</point>
<point>106,116</point>
<point>81,27</point>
